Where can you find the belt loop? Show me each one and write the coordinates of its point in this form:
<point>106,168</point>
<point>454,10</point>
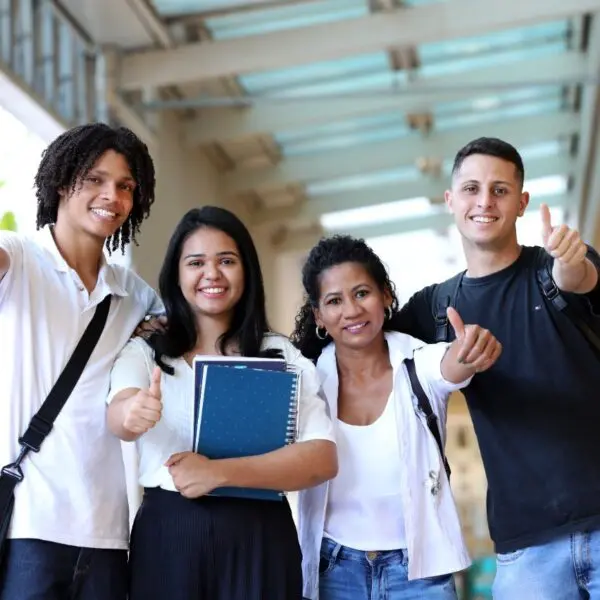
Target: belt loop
<point>335,551</point>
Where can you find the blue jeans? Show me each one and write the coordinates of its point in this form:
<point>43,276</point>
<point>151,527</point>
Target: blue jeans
<point>567,568</point>
<point>38,570</point>
<point>348,574</point>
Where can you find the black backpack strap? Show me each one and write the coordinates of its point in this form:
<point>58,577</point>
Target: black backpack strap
<point>551,292</point>
<point>42,422</point>
<point>445,294</point>
<point>425,407</point>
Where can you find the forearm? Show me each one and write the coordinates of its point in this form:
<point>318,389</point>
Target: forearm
<point>581,278</point>
<point>116,416</point>
<point>453,370</point>
<point>295,467</point>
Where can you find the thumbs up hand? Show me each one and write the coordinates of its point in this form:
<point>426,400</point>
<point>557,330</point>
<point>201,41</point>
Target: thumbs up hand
<point>474,350</point>
<point>143,411</point>
<point>562,243</point>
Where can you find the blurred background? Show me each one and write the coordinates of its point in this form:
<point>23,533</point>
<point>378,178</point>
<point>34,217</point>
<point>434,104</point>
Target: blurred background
<point>309,117</point>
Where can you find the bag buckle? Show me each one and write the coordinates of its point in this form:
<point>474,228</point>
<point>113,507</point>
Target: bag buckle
<point>36,432</point>
<point>14,470</point>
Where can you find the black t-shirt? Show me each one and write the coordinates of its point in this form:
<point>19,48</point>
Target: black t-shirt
<point>536,412</point>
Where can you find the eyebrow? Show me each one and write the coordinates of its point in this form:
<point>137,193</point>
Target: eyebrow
<point>496,182</point>
<point>224,253</point>
<point>356,287</point>
<point>105,173</point>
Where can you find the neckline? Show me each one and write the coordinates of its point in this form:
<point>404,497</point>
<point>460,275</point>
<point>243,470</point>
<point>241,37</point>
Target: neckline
<point>498,275</point>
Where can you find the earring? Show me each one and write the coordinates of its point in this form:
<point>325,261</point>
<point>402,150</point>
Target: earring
<point>389,313</point>
<point>318,332</point>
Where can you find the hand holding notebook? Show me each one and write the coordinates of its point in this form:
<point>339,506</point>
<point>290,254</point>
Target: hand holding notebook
<point>245,412</point>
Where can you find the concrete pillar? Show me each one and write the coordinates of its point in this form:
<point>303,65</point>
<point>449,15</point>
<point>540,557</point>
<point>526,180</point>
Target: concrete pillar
<point>184,179</point>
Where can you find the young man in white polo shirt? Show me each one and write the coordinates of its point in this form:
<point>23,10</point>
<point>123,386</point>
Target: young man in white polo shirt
<point>69,531</point>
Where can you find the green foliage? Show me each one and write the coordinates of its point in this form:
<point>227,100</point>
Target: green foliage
<point>8,221</point>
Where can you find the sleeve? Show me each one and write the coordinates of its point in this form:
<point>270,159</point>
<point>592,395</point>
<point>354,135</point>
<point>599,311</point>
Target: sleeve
<point>314,420</point>
<point>428,364</point>
<point>415,318</point>
<point>12,244</point>
<point>132,368</point>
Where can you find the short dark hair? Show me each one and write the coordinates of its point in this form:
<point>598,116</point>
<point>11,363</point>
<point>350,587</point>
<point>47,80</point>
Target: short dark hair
<point>490,147</point>
<point>249,324</point>
<point>328,253</point>
<point>69,158</point>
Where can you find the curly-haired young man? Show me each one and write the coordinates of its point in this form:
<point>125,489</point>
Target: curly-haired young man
<point>69,529</point>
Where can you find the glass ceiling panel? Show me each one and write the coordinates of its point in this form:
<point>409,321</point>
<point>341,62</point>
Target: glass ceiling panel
<point>256,22</point>
<point>525,37</point>
<point>363,66</point>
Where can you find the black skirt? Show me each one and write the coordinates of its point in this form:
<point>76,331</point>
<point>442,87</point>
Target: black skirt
<point>213,548</point>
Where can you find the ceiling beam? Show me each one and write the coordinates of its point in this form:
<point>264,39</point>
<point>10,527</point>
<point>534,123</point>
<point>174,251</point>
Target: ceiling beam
<point>295,241</point>
<point>403,151</point>
<point>371,33</point>
<point>312,208</point>
<point>415,96</point>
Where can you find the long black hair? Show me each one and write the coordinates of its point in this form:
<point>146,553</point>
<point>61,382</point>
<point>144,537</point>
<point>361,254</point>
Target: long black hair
<point>69,158</point>
<point>328,253</point>
<point>249,323</point>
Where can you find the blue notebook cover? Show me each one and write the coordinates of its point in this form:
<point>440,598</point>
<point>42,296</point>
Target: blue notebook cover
<point>245,412</point>
<point>239,362</point>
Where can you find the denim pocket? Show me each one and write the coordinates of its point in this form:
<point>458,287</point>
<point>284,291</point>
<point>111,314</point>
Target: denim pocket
<point>509,557</point>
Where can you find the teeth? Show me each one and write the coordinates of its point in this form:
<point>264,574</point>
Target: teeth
<point>103,213</point>
<point>355,327</point>
<point>484,219</point>
<point>213,290</point>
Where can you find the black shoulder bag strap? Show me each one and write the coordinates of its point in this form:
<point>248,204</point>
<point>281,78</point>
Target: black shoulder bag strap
<point>446,294</point>
<point>425,406</point>
<point>553,295</point>
<point>42,422</point>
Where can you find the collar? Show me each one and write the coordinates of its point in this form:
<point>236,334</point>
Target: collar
<point>107,275</point>
<point>400,345</point>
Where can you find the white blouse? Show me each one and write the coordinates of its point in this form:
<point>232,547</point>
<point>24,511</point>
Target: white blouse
<point>174,432</point>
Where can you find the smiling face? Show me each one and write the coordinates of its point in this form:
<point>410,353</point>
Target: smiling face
<point>211,273</point>
<point>351,306</point>
<point>102,201</point>
<point>486,199</point>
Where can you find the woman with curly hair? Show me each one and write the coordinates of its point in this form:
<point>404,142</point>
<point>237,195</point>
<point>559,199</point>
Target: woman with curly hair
<point>386,527</point>
<point>68,535</point>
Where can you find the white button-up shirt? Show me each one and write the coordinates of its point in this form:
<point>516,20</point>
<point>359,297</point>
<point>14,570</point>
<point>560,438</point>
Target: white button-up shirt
<point>74,489</point>
<point>435,544</point>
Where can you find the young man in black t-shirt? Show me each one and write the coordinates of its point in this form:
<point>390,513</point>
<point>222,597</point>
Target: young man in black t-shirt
<point>537,411</point>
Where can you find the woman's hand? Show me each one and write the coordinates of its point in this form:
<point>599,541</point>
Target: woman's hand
<point>194,475</point>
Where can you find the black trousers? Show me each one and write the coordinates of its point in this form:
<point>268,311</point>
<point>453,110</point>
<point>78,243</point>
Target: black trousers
<point>213,548</point>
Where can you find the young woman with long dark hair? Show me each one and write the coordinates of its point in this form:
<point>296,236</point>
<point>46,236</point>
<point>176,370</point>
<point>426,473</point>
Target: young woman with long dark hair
<point>186,545</point>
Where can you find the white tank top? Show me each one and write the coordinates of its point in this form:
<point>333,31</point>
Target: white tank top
<point>364,509</point>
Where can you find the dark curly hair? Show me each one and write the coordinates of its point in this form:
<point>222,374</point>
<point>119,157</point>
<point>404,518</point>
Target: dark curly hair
<point>328,253</point>
<point>69,158</point>
<point>249,323</point>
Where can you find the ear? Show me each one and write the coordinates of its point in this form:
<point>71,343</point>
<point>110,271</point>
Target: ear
<point>448,199</point>
<point>317,316</point>
<point>523,203</point>
<point>387,298</point>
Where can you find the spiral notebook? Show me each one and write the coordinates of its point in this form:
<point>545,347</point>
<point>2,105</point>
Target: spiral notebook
<point>239,362</point>
<point>245,412</point>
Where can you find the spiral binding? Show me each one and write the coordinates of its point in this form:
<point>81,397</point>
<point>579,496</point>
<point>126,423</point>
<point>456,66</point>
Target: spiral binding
<point>292,423</point>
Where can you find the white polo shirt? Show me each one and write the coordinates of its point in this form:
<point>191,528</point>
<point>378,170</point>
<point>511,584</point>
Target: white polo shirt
<point>74,489</point>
